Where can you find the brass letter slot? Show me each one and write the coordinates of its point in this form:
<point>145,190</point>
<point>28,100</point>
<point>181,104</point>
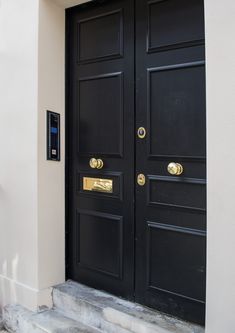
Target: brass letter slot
<point>98,185</point>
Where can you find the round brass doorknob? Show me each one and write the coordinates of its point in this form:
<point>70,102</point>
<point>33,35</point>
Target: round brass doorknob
<point>96,163</point>
<point>175,169</point>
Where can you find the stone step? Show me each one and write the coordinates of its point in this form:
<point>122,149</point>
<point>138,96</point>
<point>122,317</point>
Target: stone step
<point>112,314</point>
<point>1,323</point>
<point>18,319</point>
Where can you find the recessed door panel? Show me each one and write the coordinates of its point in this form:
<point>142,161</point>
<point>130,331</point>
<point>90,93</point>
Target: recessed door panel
<point>102,249</point>
<point>100,114</point>
<point>174,23</point>
<point>100,37</point>
<point>174,192</point>
<point>176,103</point>
<point>178,250</point>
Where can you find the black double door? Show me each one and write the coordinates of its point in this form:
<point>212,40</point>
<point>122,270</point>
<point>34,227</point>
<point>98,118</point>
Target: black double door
<point>136,151</point>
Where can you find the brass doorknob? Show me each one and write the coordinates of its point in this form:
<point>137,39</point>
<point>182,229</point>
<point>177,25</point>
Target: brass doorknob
<point>96,163</point>
<point>175,169</point>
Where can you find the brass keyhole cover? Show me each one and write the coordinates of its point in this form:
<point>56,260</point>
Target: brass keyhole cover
<point>141,179</point>
<point>141,132</point>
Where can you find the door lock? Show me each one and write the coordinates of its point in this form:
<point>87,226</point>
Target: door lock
<point>175,169</point>
<point>96,163</point>
<point>141,132</point>
<point>141,179</point>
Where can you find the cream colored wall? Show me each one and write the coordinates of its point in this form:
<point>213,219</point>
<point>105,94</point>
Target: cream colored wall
<point>18,152</point>
<point>51,182</point>
<point>220,49</point>
<point>32,229</point>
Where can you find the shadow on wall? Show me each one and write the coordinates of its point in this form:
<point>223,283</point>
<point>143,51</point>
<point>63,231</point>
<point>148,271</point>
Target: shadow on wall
<point>8,292</point>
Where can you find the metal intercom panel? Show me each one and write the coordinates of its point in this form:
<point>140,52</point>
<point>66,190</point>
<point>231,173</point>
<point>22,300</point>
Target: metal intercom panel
<point>53,136</point>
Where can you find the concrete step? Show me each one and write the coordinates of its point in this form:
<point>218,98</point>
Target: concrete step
<point>1,323</point>
<point>112,314</point>
<point>18,319</point>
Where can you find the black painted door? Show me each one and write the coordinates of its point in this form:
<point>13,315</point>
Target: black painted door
<point>170,209</point>
<point>101,125</point>
<point>138,64</point>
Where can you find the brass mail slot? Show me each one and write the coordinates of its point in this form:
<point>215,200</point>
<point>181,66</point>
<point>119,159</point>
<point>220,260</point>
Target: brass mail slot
<point>98,185</point>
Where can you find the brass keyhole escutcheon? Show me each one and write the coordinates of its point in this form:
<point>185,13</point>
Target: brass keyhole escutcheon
<point>141,179</point>
<point>175,169</point>
<point>141,132</point>
<point>96,163</point>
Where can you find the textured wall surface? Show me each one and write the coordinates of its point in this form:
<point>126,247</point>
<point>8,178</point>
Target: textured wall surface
<point>31,189</point>
<point>18,147</point>
<point>220,49</point>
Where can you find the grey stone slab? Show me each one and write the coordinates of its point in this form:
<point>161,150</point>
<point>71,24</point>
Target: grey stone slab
<point>19,320</point>
<point>13,316</point>
<point>78,308</point>
<point>2,329</point>
<point>113,314</point>
<point>1,323</point>
<point>56,323</point>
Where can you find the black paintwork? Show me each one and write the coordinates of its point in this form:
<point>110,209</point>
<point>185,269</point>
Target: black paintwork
<point>133,64</point>
<point>101,125</point>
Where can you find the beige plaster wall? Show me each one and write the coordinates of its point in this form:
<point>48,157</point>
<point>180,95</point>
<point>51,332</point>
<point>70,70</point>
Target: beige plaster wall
<point>18,152</point>
<point>32,229</point>
<point>51,175</point>
<point>220,53</point>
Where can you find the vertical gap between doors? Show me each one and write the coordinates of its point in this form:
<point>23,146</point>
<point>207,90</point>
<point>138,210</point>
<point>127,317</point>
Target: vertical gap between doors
<point>134,199</point>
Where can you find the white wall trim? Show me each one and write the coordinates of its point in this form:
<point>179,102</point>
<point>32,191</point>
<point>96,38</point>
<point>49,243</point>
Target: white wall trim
<point>12,291</point>
<point>69,3</point>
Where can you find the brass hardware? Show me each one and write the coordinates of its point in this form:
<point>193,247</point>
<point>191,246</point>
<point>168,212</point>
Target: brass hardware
<point>96,163</point>
<point>97,185</point>
<point>141,132</point>
<point>141,179</point>
<point>175,168</point>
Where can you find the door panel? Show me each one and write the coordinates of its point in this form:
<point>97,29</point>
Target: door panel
<point>175,112</point>
<point>106,30</point>
<point>104,231</point>
<point>184,260</point>
<point>102,134</point>
<point>174,192</point>
<point>170,104</point>
<point>174,23</point>
<point>101,103</point>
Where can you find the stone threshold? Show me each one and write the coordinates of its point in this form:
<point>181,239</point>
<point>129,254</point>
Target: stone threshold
<point>108,312</point>
<point>81,309</point>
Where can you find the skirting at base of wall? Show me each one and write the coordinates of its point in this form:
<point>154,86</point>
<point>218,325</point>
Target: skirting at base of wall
<point>13,292</point>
